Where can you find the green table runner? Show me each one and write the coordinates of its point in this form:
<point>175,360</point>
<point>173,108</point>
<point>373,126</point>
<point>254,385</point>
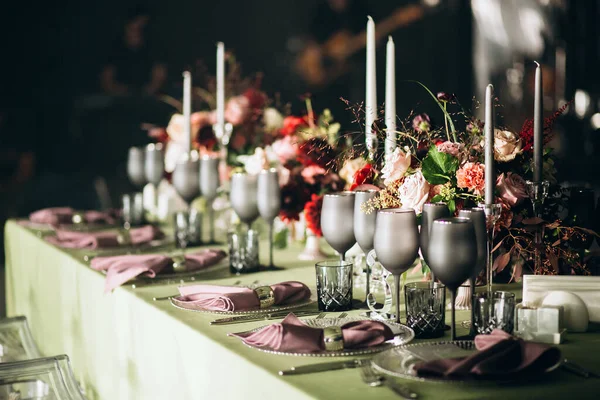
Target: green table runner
<point>126,346</point>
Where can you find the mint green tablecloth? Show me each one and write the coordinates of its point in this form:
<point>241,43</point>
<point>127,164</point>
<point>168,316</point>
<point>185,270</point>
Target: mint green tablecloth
<point>125,346</point>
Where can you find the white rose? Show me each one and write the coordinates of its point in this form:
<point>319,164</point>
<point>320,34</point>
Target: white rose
<point>255,163</point>
<point>272,119</point>
<point>351,167</point>
<point>507,145</point>
<point>396,166</point>
<point>414,192</point>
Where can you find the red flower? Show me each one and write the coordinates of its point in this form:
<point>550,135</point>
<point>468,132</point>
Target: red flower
<point>526,133</point>
<point>316,151</point>
<point>256,98</point>
<point>291,124</point>
<point>294,195</point>
<point>312,213</point>
<point>365,175</point>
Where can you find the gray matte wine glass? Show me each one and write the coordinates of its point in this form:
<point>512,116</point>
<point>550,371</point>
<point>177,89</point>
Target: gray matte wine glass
<point>269,202</point>
<point>154,165</point>
<point>337,221</point>
<point>477,216</point>
<point>453,255</point>
<point>186,180</point>
<point>364,227</point>
<point>396,243</point>
<point>209,185</point>
<point>243,196</point>
<point>431,212</point>
<point>136,166</point>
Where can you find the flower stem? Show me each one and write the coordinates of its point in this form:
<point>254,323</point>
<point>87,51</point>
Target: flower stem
<point>310,112</point>
<point>446,121</point>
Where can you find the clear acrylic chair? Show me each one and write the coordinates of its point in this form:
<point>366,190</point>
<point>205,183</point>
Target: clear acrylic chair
<point>48,378</point>
<point>16,342</point>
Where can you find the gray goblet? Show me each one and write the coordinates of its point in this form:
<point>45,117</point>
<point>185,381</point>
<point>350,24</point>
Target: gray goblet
<point>136,167</point>
<point>396,243</point>
<point>364,227</point>
<point>186,180</point>
<point>337,221</point>
<point>154,168</point>
<point>431,212</point>
<point>209,185</point>
<point>269,202</point>
<point>243,196</point>
<point>453,255</point>
<point>477,216</point>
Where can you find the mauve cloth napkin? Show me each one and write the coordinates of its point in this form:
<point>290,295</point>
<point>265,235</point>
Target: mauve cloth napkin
<point>95,240</point>
<point>500,356</point>
<point>293,335</point>
<point>232,298</point>
<point>63,215</point>
<point>120,269</point>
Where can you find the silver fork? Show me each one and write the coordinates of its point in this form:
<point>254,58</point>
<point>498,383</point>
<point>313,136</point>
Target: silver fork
<point>371,378</point>
<point>343,315</point>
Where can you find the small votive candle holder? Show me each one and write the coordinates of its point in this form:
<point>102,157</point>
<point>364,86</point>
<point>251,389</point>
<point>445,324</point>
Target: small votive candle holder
<point>334,285</point>
<point>243,251</point>
<point>494,311</point>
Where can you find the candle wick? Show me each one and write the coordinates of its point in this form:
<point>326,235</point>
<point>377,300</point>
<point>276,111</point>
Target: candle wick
<point>537,63</point>
<point>369,18</point>
<point>390,38</point>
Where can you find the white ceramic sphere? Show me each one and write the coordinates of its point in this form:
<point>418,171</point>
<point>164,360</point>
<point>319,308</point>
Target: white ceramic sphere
<point>576,316</point>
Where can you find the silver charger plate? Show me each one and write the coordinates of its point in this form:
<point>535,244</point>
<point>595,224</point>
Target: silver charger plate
<point>192,307</point>
<point>402,335</point>
<point>400,361</point>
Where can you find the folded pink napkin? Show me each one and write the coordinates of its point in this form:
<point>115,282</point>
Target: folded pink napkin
<point>500,356</point>
<point>233,298</point>
<point>95,240</point>
<point>64,215</point>
<point>120,269</point>
<point>293,335</point>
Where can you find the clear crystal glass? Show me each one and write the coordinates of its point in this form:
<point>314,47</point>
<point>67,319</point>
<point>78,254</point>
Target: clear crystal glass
<point>243,251</point>
<point>334,285</point>
<point>494,311</point>
<point>425,308</point>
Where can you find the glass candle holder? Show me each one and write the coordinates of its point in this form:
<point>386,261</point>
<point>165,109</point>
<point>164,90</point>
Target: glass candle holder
<point>334,285</point>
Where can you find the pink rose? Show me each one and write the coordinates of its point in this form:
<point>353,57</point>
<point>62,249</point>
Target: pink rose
<point>310,172</point>
<point>511,188</point>
<point>285,148</point>
<point>449,147</point>
<point>395,166</point>
<point>237,110</point>
<point>414,192</point>
<point>471,176</point>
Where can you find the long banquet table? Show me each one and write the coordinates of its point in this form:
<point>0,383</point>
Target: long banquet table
<point>124,345</point>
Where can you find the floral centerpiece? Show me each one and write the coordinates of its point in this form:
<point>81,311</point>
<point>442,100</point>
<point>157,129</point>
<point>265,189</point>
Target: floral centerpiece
<point>445,164</point>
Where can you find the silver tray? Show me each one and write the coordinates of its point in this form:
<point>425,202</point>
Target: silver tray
<point>403,334</point>
<point>191,307</point>
<point>400,361</point>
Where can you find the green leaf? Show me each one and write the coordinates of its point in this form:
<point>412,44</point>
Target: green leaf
<point>437,167</point>
<point>451,206</point>
<point>437,198</point>
<point>280,239</point>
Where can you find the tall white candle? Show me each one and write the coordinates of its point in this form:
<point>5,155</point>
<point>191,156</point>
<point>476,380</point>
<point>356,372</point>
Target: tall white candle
<point>390,97</point>
<point>371,90</point>
<point>490,179</point>
<point>187,109</point>
<point>538,126</point>
<point>220,86</point>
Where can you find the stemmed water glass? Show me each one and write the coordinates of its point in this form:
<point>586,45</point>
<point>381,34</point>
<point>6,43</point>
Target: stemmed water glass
<point>154,168</point>
<point>187,184</point>
<point>396,243</point>
<point>243,197</point>
<point>209,185</point>
<point>337,221</point>
<point>431,212</point>
<point>477,217</point>
<point>453,255</point>
<point>269,202</point>
<point>492,214</point>
<point>136,167</point>
<point>364,229</point>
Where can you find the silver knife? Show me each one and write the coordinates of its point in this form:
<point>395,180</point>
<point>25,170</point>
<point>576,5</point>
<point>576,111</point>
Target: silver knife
<point>328,366</point>
<point>261,317</point>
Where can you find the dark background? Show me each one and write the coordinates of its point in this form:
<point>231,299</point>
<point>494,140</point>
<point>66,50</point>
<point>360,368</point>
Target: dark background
<point>52,53</point>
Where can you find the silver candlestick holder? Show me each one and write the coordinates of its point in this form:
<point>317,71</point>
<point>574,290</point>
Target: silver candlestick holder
<point>538,192</point>
<point>223,134</point>
<point>492,215</point>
